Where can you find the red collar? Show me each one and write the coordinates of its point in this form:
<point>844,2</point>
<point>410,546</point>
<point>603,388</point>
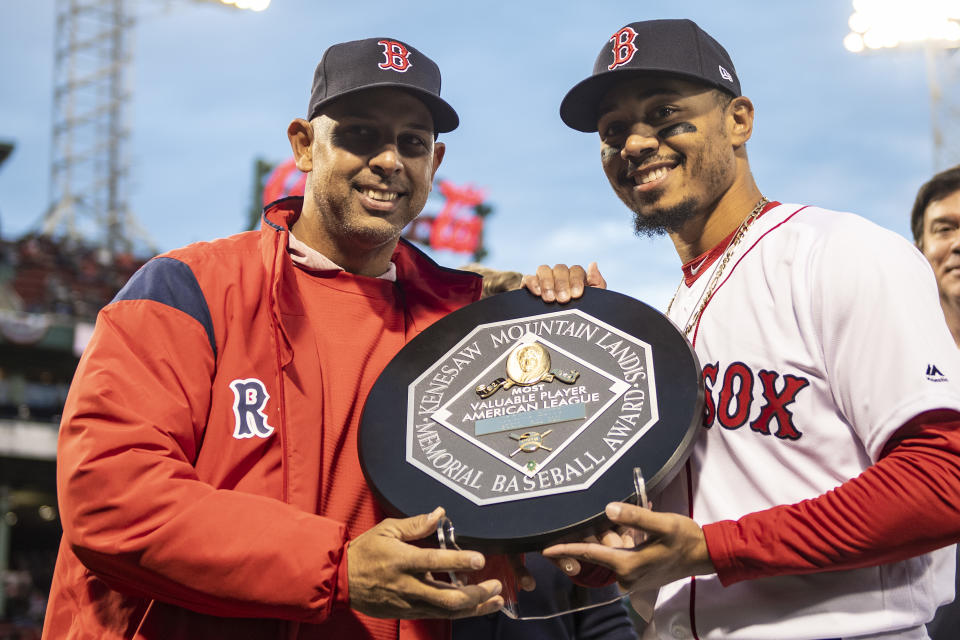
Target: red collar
<point>701,264</point>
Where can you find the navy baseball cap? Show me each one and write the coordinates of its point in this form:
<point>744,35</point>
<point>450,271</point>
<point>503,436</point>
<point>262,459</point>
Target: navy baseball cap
<point>670,47</point>
<point>353,66</point>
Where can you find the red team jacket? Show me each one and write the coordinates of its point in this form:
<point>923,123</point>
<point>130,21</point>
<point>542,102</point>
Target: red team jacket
<point>189,451</point>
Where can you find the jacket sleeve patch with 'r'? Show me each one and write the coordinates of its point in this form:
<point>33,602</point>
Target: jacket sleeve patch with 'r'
<point>249,398</point>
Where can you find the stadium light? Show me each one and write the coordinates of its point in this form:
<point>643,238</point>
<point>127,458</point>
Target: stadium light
<point>885,24</point>
<point>252,5</point>
<point>932,26</point>
<point>246,5</point>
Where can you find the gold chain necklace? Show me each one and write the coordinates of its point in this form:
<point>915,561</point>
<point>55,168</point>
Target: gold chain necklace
<point>705,296</point>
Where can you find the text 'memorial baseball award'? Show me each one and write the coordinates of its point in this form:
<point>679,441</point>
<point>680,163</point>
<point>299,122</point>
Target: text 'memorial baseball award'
<point>524,418</point>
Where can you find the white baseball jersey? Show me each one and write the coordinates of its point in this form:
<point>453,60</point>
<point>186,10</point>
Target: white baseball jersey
<point>823,337</point>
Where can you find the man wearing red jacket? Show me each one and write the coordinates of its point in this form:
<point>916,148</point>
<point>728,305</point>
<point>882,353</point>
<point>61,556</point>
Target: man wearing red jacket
<point>208,475</point>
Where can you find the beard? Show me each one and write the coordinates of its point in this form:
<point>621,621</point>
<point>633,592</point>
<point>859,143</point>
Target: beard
<point>650,220</point>
<point>659,221</point>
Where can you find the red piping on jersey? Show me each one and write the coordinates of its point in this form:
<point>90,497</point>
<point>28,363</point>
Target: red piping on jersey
<point>693,579</point>
<point>693,269</point>
<point>696,329</point>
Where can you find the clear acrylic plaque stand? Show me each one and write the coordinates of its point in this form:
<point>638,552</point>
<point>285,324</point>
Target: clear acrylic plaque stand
<point>556,594</point>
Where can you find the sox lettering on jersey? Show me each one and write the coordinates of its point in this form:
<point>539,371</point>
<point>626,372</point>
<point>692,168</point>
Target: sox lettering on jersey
<point>734,399</point>
<point>623,47</point>
<point>397,56</point>
<point>249,398</point>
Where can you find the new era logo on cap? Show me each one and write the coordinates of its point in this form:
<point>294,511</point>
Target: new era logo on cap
<point>725,74</point>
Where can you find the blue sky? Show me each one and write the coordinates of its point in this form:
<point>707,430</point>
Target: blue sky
<point>215,88</point>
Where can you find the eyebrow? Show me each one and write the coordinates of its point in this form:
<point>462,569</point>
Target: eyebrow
<point>946,217</point>
<point>606,107</point>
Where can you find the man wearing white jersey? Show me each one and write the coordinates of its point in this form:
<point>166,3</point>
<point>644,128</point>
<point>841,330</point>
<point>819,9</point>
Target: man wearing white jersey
<point>827,476</point>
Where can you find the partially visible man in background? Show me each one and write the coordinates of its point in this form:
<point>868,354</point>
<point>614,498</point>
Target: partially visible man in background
<point>935,222</point>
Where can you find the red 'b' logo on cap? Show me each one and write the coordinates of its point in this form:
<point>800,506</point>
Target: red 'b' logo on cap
<point>397,56</point>
<point>623,47</point>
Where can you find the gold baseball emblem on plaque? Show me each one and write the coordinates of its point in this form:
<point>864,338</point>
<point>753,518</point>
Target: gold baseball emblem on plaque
<point>527,364</point>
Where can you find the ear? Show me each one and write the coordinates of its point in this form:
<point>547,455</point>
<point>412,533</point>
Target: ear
<point>300,135</point>
<point>739,117</point>
<point>438,150</point>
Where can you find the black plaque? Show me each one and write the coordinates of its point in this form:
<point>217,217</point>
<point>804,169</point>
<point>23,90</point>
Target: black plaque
<point>523,419</point>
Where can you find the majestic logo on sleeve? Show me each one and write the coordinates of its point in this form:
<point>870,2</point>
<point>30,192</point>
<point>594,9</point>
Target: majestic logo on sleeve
<point>934,374</point>
<point>397,56</point>
<point>250,397</point>
<point>732,402</point>
<point>623,47</point>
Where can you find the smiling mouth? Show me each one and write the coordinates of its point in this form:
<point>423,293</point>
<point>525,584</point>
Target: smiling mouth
<point>379,195</point>
<point>651,173</point>
<point>645,177</point>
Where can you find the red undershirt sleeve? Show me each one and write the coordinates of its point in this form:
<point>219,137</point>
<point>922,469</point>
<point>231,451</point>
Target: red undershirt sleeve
<point>906,504</point>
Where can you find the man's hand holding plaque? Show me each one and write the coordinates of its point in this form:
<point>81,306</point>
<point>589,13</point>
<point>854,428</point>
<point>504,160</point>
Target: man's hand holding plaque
<point>673,547</point>
<point>562,283</point>
<point>390,578</point>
